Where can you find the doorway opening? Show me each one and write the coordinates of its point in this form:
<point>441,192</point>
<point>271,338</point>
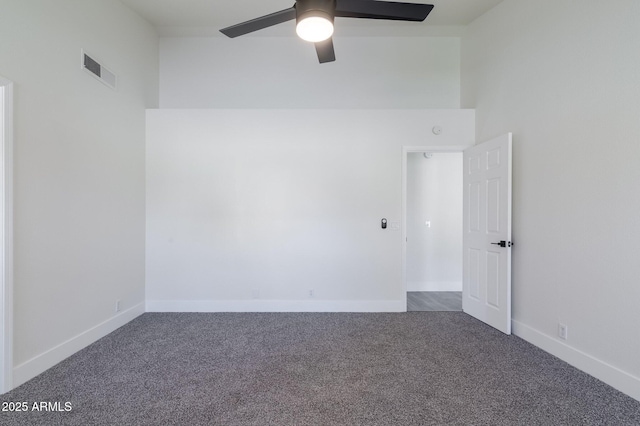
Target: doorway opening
<point>432,250</point>
<point>6,235</point>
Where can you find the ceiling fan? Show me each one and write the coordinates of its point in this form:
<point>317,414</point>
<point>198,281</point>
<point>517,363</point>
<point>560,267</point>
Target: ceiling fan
<point>314,19</point>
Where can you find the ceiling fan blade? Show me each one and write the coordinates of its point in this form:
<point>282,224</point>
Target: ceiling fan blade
<point>382,10</point>
<point>260,23</point>
<point>325,51</point>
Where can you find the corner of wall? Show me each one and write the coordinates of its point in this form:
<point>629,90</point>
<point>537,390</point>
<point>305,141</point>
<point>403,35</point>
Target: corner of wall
<point>42,362</point>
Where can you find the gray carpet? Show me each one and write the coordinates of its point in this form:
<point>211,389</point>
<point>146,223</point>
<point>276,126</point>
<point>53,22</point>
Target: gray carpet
<point>435,368</point>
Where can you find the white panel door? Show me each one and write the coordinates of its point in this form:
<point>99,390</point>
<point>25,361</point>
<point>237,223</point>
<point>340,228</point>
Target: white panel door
<point>486,274</point>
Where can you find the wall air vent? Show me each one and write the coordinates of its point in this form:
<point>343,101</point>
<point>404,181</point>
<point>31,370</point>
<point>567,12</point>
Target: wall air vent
<point>98,70</point>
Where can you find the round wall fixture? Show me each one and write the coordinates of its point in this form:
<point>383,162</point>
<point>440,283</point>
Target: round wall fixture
<point>436,130</point>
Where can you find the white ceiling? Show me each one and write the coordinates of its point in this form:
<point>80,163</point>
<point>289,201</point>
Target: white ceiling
<point>206,17</point>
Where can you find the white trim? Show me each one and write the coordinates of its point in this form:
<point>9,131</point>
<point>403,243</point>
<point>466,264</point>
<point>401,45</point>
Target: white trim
<point>276,305</point>
<point>406,150</point>
<point>613,376</point>
<point>39,364</point>
<point>434,285</point>
<point>6,235</point>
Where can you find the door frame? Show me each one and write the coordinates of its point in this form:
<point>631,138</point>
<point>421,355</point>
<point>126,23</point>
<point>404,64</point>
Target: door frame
<point>406,150</point>
<point>6,234</point>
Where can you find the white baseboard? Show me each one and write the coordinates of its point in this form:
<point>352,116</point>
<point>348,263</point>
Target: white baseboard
<point>434,285</point>
<point>276,306</point>
<point>37,365</point>
<point>613,376</point>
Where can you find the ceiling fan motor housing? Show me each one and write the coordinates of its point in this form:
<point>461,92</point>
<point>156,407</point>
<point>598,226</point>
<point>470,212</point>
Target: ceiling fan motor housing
<point>319,8</point>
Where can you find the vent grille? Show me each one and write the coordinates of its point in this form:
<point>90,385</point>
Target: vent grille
<point>98,70</point>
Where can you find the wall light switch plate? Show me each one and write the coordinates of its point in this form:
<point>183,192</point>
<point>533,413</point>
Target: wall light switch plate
<point>395,226</point>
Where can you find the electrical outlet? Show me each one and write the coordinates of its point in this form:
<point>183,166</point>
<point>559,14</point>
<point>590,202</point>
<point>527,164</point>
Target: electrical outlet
<point>255,293</point>
<point>311,293</point>
<point>563,331</point>
<point>117,305</point>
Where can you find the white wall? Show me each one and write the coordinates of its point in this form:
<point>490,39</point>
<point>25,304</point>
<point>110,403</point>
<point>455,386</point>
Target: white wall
<point>251,209</point>
<point>79,172</point>
<point>283,72</point>
<point>434,194</point>
<point>563,76</point>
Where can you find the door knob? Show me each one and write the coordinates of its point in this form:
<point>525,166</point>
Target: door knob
<point>503,244</point>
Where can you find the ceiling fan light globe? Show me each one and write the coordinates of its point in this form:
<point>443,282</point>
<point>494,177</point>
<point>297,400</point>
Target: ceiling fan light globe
<point>314,28</point>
